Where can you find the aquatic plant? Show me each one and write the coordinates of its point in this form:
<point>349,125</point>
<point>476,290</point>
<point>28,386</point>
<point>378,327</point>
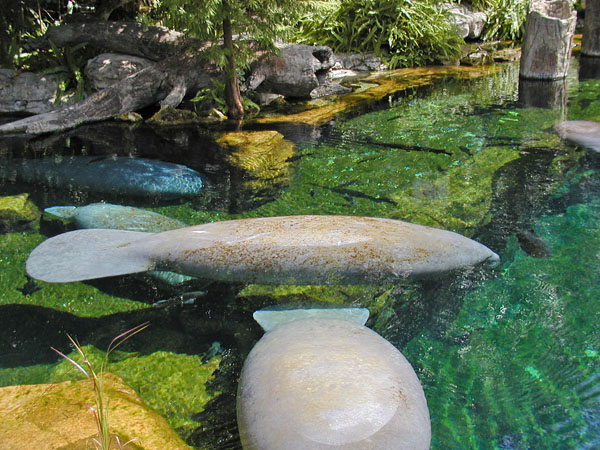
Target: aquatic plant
<point>96,378</point>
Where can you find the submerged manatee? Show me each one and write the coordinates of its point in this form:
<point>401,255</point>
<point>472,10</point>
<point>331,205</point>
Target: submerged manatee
<point>325,383</point>
<point>282,250</point>
<point>581,132</point>
<point>115,175</point>
<point>118,217</point>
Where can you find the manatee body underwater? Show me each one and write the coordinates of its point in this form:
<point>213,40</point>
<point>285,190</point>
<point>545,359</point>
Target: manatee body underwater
<point>326,383</point>
<point>114,175</point>
<point>282,250</point>
<point>581,132</point>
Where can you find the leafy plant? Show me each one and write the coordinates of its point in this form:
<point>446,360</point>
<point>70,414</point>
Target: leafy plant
<point>67,63</point>
<point>506,18</point>
<point>414,33</point>
<point>96,378</point>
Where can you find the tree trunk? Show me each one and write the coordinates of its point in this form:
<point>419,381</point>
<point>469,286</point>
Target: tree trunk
<point>590,43</point>
<point>548,40</point>
<point>235,109</point>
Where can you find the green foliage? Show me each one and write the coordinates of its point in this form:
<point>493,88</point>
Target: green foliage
<point>414,33</point>
<point>256,23</point>
<point>506,18</point>
<point>67,63</point>
<point>214,97</point>
<point>22,19</point>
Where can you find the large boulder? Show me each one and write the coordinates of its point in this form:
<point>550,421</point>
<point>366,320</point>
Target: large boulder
<point>56,416</point>
<point>295,72</point>
<point>108,68</point>
<point>27,92</point>
<point>467,22</point>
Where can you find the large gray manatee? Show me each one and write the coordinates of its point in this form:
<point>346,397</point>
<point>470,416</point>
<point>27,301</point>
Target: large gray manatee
<point>286,250</point>
<point>324,383</point>
<point>581,132</point>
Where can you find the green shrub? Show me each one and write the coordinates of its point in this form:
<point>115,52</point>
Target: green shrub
<point>506,18</point>
<point>414,33</point>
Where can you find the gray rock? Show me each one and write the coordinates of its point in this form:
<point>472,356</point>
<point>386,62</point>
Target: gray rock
<point>294,73</point>
<point>109,68</point>
<point>469,23</point>
<point>329,88</point>
<point>27,92</point>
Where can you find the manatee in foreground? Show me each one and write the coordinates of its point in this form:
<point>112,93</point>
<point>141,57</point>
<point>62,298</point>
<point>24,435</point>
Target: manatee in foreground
<point>114,175</point>
<point>325,383</point>
<point>581,132</point>
<point>282,250</point>
<point>118,217</point>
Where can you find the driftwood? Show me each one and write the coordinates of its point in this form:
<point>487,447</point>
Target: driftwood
<point>166,82</point>
<point>590,43</point>
<point>548,39</point>
<point>132,38</point>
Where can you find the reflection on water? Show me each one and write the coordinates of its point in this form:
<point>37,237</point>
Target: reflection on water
<point>509,357</point>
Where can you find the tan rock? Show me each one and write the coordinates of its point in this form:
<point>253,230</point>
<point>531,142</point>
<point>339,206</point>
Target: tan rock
<point>56,416</point>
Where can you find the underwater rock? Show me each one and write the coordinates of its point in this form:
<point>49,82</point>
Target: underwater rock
<point>114,175</point>
<point>118,217</point>
<point>17,212</point>
<point>292,249</point>
<point>581,132</point>
<point>345,388</point>
<point>532,244</point>
<point>57,416</point>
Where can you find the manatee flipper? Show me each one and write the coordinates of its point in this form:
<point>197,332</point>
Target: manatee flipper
<point>88,254</point>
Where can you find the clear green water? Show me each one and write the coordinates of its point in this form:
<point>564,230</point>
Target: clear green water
<point>509,358</point>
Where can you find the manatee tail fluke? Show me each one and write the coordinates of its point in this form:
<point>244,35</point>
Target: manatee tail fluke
<point>87,254</point>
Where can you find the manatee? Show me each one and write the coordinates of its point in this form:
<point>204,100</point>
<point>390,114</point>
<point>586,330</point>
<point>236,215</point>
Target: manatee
<point>581,132</point>
<point>282,250</point>
<point>326,383</point>
<point>118,217</point>
<point>114,175</point>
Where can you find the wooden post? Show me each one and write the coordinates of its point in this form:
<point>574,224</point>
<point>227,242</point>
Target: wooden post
<point>548,40</point>
<point>590,43</point>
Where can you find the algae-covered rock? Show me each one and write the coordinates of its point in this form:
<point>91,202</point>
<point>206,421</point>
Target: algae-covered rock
<point>262,158</point>
<point>173,385</point>
<point>17,212</point>
<point>169,116</point>
<point>57,416</point>
<point>373,297</point>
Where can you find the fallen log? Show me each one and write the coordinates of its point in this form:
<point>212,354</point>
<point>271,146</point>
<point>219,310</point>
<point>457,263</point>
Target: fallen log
<point>166,82</point>
<point>131,38</point>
